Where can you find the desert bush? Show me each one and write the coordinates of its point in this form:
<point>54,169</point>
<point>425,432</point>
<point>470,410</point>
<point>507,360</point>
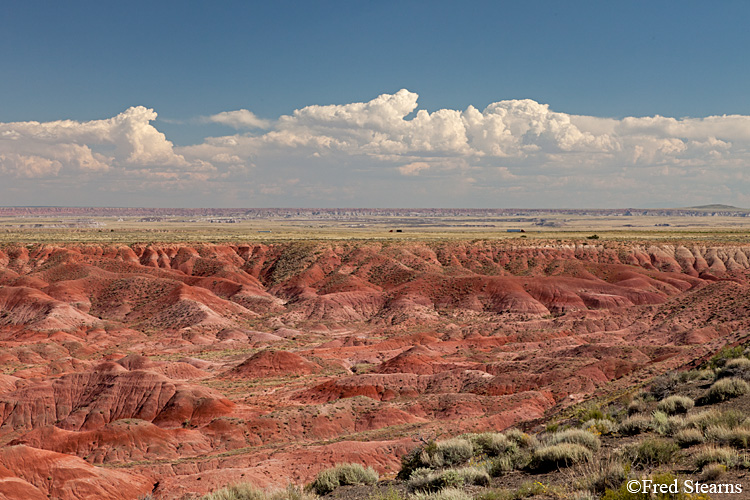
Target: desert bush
<point>343,474</point>
<point>703,420</point>
<point>688,437</point>
<point>245,491</point>
<point>712,472</point>
<point>739,437</point>
<point>526,490</point>
<point>660,422</point>
<point>599,475</point>
<point>516,459</point>
<point>601,426</point>
<point>716,455</point>
<point>652,452</point>
<point>727,353</point>
<point>673,405</point>
<point>492,444</point>
<point>522,439</point>
<point>635,424</point>
<point>590,412</point>
<point>559,455</point>
<point>445,494</point>
<point>737,367</point>
<point>575,436</point>
<point>636,406</point>
<point>450,478</point>
<point>433,455</point>
<point>664,385</point>
<point>724,389</point>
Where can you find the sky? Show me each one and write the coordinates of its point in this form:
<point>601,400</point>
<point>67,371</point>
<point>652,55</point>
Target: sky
<point>529,104</point>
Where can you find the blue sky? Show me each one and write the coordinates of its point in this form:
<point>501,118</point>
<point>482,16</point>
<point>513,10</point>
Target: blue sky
<point>190,61</point>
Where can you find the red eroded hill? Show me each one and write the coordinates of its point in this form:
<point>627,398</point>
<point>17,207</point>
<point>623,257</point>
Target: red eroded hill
<point>193,366</point>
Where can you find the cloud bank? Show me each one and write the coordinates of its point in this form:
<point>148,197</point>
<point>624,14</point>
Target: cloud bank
<point>387,152</point>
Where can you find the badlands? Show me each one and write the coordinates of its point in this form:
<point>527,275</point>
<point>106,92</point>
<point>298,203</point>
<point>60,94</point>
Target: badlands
<point>172,370</point>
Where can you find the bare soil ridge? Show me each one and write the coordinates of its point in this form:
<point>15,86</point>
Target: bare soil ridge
<point>183,368</point>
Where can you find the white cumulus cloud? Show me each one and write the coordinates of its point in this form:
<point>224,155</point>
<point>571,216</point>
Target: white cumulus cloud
<point>242,118</point>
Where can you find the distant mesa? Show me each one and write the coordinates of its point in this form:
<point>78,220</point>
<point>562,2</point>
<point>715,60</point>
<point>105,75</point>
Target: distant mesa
<point>715,206</point>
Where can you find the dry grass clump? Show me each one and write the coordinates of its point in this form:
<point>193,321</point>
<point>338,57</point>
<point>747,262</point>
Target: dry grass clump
<point>739,437</point>
<point>716,455</point>
<point>688,437</point>
<point>522,439</point>
<point>602,426</point>
<point>737,367</point>
<point>651,452</point>
<point>245,491</point>
<point>492,443</point>
<point>636,406</point>
<point>436,454</point>
<point>635,424</point>
<point>703,420</point>
<point>674,405</point>
<point>597,476</point>
<point>712,472</point>
<point>444,494</point>
<point>560,455</point>
<point>725,389</point>
<point>426,480</point>
<point>575,436</point>
<point>341,475</point>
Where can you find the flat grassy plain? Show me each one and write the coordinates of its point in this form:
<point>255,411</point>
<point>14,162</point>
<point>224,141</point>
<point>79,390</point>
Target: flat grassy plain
<point>563,227</point>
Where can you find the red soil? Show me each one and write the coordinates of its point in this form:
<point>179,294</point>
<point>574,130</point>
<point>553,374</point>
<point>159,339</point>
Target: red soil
<point>156,358</point>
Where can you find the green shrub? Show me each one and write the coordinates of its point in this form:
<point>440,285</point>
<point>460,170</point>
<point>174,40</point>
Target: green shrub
<point>575,436</point>
<point>652,452</point>
<point>559,455</point>
<point>725,389</point>
<point>688,437</point>
<point>716,455</point>
<point>590,412</point>
<point>673,405</point>
<point>635,424</point>
<point>343,474</point>
<point>513,460</point>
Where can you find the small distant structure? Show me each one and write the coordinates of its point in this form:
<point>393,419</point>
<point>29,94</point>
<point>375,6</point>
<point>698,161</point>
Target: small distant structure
<point>397,230</point>
<point>265,231</point>
<point>516,230</point>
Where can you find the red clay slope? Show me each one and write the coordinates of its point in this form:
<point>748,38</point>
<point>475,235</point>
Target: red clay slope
<point>190,367</point>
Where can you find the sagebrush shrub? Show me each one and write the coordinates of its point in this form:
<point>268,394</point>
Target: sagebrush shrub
<point>673,405</point>
<point>559,455</point>
<point>343,474</point>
